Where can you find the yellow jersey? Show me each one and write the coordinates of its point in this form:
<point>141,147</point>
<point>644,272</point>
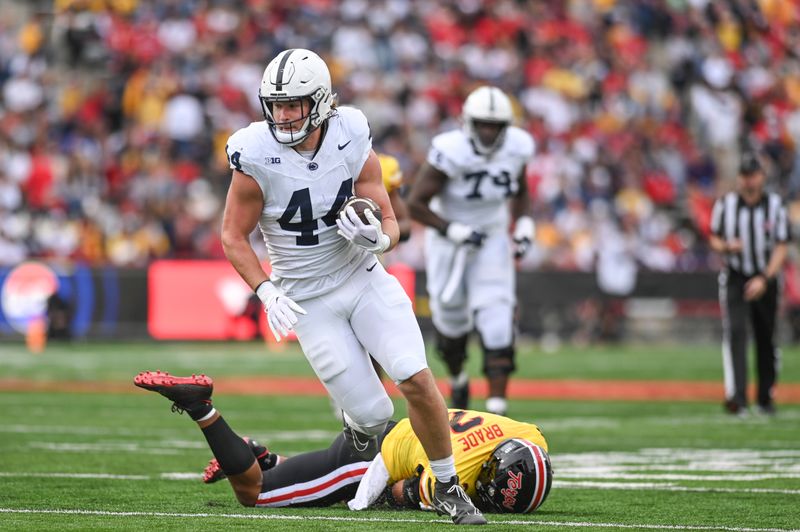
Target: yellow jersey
<point>392,176</point>
<point>474,435</point>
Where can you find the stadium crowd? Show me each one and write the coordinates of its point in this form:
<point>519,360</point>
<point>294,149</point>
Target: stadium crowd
<point>114,113</point>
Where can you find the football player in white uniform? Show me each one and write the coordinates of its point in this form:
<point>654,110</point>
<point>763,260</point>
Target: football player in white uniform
<point>291,174</point>
<point>471,180</point>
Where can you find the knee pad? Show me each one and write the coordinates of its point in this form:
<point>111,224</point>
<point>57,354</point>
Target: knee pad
<point>371,420</point>
<point>452,350</point>
<point>495,325</point>
<point>373,430</point>
<point>405,367</point>
<point>498,362</point>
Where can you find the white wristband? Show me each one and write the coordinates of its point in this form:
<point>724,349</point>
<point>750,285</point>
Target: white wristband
<point>525,228</point>
<point>385,242</point>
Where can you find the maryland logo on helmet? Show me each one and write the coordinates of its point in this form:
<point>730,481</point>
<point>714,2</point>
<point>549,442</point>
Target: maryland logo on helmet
<point>516,479</point>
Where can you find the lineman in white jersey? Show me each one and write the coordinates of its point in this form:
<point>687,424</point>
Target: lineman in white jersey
<point>462,193</point>
<point>291,174</point>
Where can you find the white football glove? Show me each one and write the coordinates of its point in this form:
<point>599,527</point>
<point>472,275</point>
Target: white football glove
<point>463,234</point>
<point>524,231</point>
<point>368,236</point>
<point>279,308</point>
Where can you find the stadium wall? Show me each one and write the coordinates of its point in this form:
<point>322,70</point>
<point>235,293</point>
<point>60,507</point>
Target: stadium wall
<point>206,300</point>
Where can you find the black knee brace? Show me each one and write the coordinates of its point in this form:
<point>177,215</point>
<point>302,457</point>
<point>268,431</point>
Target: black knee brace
<point>498,362</point>
<point>453,351</point>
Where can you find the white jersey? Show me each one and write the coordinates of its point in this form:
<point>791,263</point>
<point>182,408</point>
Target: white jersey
<point>301,199</point>
<point>478,187</point>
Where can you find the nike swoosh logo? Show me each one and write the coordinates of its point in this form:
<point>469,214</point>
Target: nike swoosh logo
<point>449,508</point>
<point>368,239</point>
<point>343,146</point>
<point>372,267</point>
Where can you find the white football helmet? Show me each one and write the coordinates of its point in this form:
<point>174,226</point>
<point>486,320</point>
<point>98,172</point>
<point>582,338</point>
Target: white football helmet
<point>490,105</point>
<point>297,75</point>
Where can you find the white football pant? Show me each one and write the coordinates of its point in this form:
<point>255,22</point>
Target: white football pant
<point>369,313</point>
<point>485,296</point>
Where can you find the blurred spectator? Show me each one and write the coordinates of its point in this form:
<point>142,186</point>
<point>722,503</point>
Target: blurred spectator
<point>113,110</point>
<point>59,316</point>
<point>719,111</point>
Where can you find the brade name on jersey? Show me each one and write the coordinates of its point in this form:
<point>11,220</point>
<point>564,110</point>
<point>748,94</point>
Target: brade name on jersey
<point>478,187</point>
<point>473,436</point>
<point>301,199</point>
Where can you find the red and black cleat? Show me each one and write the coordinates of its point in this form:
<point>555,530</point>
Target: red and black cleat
<point>186,393</point>
<point>266,460</point>
<point>213,472</point>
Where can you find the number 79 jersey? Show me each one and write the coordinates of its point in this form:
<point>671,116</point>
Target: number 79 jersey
<point>474,435</point>
<point>478,187</point>
<point>302,198</point>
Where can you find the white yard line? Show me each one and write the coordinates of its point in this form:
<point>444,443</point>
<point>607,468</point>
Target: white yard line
<point>671,456</point>
<point>609,474</point>
<point>181,476</point>
<point>564,484</point>
<point>104,476</point>
<point>569,484</point>
<point>277,517</point>
<point>60,429</point>
<point>75,475</point>
<point>285,435</point>
<point>106,447</point>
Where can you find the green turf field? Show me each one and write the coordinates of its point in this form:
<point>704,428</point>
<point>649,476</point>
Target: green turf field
<point>123,461</point>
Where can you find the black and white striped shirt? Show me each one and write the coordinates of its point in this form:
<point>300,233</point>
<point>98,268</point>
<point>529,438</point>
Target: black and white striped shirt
<point>759,227</point>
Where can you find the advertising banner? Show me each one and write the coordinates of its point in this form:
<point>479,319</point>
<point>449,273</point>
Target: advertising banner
<point>71,300</point>
<point>201,300</point>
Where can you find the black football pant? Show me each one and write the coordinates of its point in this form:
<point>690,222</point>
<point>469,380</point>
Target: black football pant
<point>317,478</point>
<point>762,316</point>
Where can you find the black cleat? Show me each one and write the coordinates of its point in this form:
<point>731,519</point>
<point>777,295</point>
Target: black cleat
<point>365,447</point>
<point>732,407</point>
<point>186,393</point>
<point>767,409</point>
<point>449,498</point>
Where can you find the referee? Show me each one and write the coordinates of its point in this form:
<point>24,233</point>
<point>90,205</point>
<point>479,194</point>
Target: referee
<point>751,230</point>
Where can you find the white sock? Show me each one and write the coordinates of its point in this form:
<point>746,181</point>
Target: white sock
<point>496,405</point>
<point>207,416</point>
<point>444,469</point>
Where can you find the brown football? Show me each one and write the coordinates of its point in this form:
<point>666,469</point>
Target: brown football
<point>362,204</point>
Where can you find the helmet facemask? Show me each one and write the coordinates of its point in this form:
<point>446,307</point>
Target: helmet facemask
<point>484,140</point>
<point>293,132</point>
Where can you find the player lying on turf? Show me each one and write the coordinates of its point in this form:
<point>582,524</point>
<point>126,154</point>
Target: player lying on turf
<point>502,463</point>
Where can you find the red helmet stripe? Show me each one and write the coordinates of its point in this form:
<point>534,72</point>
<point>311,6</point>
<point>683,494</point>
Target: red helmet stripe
<point>540,473</point>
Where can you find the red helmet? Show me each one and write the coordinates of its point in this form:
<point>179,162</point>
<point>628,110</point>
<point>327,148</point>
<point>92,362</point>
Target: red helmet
<point>516,478</point>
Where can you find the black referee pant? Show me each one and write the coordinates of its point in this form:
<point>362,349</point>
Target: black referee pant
<point>762,314</point>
